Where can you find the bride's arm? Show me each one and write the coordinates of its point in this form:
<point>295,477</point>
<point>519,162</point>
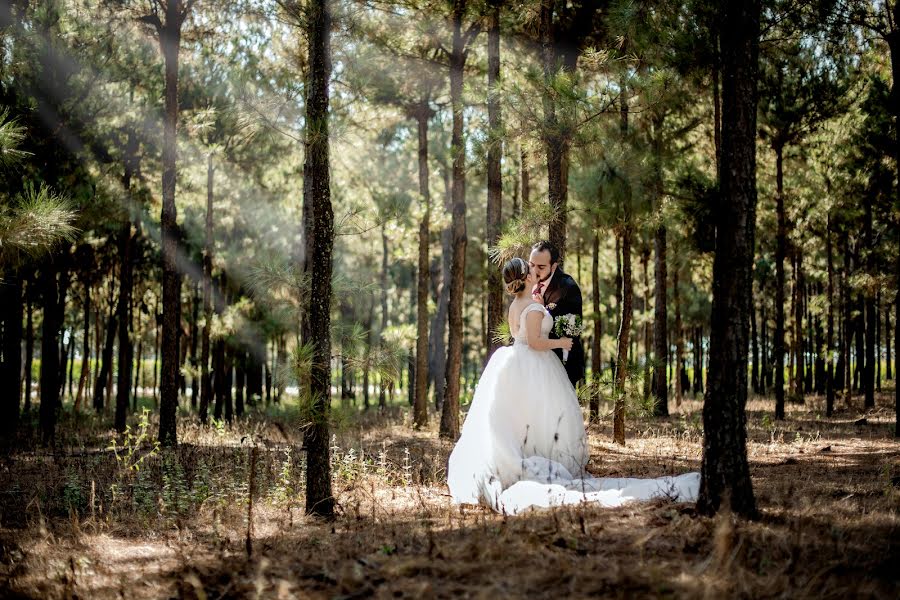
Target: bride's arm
<point>536,341</point>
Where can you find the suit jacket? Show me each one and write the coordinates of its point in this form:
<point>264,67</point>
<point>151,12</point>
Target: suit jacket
<point>563,297</point>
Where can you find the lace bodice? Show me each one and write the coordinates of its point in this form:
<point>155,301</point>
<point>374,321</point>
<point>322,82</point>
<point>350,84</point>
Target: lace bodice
<point>521,336</point>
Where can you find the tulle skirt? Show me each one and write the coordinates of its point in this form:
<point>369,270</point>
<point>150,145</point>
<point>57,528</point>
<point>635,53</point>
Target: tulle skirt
<point>523,443</point>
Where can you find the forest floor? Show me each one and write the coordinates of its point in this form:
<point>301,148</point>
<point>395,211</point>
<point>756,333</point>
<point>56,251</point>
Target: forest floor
<point>82,521</point>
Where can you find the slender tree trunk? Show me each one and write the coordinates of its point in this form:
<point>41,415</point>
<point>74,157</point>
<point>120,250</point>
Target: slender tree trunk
<point>780,252</point>
<point>725,472</point>
<point>206,390</point>
<point>556,138</point>
<point>450,414</point>
<point>382,392</point>
<point>106,362</point>
<point>86,348</point>
<point>765,375</point>
<point>660,324</point>
<point>123,380</point>
<point>679,338</point>
<point>440,293</point>
<point>887,341</point>
<point>13,306</point>
<point>625,318</point>
<point>170,41</point>
<point>797,341</point>
<point>195,335</point>
<point>319,499</point>
<point>871,324</point>
<point>829,339</point>
<point>624,330</point>
<point>494,181</point>
<point>596,358</point>
<point>29,348</point>
<point>649,374</point>
<point>420,401</point>
<point>228,383</point>
<point>754,345</point>
<point>240,379</point>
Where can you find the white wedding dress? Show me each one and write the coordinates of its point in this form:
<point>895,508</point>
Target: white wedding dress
<point>523,442</point>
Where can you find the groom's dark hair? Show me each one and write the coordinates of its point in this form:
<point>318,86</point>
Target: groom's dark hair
<point>545,245</point>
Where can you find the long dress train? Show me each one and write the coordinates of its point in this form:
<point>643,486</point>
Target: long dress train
<point>523,442</point>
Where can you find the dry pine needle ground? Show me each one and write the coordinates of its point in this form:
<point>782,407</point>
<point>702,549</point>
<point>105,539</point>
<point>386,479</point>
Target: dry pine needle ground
<point>827,490</point>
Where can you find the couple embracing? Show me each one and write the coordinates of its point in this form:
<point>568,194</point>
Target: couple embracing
<point>523,443</point>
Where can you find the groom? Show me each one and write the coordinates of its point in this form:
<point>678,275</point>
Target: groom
<point>562,296</point>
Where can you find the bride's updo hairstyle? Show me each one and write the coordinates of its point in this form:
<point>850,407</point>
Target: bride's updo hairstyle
<point>514,273</point>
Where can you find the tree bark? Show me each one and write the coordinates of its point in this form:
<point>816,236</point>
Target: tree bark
<point>126,285</point>
<point>725,472</point>
<point>754,345</point>
<point>13,306</point>
<point>597,338</point>
<point>170,42</point>
<point>556,141</point>
<point>440,293</point>
<point>624,331</point>
<point>829,338</point>
<point>450,413</point>
<point>780,252</point>
<point>494,181</point>
<point>29,347</point>
<point>660,324</point>
<point>319,499</point>
<point>871,324</point>
<point>420,401</point>
<point>206,390</point>
<point>679,337</point>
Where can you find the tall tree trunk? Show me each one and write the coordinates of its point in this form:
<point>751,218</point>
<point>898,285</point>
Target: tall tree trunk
<point>206,390</point>
<point>871,324</point>
<point>887,342</point>
<point>679,337</point>
<point>228,382</point>
<point>106,361</point>
<point>829,338</point>
<point>29,347</point>
<point>126,284</point>
<point>494,181</point>
<point>420,401</point>
<point>725,472</point>
<point>597,338</point>
<point>624,330</point>
<point>556,141</point>
<point>649,375</point>
<point>240,379</point>
<point>440,293</point>
<point>754,345</point>
<point>195,335</point>
<point>13,305</point>
<point>170,41</point>
<point>627,292</point>
<point>450,412</point>
<point>319,499</point>
<point>382,391</point>
<point>765,375</point>
<point>780,252</point>
<point>797,341</point>
<point>660,324</point>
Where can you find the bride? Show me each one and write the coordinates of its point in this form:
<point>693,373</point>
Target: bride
<point>523,442</point>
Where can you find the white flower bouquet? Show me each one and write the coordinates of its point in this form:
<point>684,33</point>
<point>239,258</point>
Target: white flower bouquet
<point>568,326</point>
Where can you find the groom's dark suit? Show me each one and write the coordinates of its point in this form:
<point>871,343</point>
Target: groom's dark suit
<point>563,297</point>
